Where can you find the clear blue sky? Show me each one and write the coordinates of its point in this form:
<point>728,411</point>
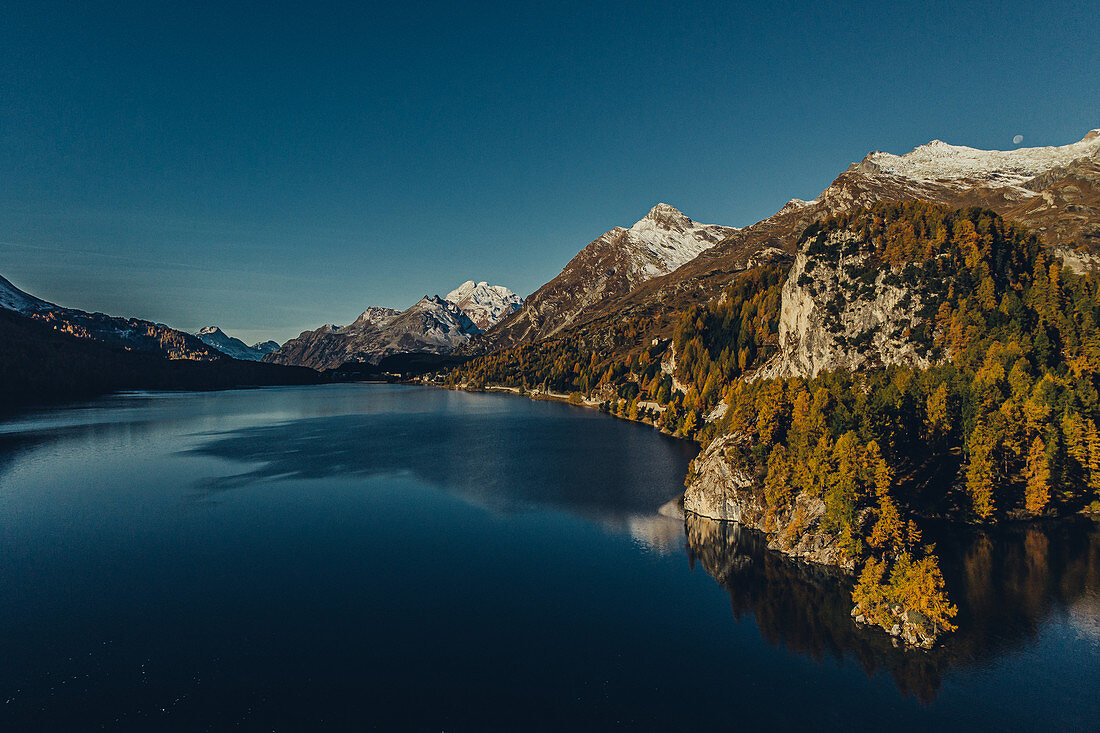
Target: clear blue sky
<point>269,167</point>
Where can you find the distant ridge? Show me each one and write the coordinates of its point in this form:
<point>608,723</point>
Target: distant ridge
<point>234,347</point>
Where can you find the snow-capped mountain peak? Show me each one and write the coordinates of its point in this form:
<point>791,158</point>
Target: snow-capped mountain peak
<point>611,266</point>
<point>665,238</point>
<point>464,290</point>
<point>483,303</point>
<point>669,215</point>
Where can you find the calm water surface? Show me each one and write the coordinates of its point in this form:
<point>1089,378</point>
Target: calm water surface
<point>381,557</point>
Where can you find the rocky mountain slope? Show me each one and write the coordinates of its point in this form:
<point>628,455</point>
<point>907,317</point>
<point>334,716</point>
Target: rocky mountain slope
<point>613,265</point>
<point>234,347</point>
<point>131,334</point>
<point>433,325</point>
<point>375,316</point>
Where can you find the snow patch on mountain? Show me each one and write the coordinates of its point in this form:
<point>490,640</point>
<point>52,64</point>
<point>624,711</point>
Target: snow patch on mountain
<point>665,239</point>
<point>795,205</point>
<point>941,162</point>
<point>12,298</point>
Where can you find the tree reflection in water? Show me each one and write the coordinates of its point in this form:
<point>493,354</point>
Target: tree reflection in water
<point>1007,582</point>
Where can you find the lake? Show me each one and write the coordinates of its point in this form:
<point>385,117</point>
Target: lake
<point>403,558</point>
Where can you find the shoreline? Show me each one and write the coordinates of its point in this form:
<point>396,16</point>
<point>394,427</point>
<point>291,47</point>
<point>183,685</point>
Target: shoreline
<point>557,397</point>
<point>820,555</point>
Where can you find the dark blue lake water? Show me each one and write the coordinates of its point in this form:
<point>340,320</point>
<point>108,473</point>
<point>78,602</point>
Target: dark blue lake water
<point>398,558</point>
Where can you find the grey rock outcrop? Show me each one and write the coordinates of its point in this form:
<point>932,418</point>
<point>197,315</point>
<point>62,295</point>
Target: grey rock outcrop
<point>844,315</point>
<point>1078,262</point>
<point>910,626</point>
<point>718,488</point>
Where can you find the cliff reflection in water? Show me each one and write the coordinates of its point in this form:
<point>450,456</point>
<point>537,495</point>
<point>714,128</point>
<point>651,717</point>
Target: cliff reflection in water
<point>1007,584</point>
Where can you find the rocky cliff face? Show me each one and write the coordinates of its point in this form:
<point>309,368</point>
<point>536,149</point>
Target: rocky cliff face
<point>719,487</point>
<point>845,314</point>
<point>716,489</point>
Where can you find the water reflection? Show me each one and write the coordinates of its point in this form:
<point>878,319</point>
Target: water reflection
<point>510,455</point>
<point>1007,583</point>
<point>662,532</point>
<point>618,475</point>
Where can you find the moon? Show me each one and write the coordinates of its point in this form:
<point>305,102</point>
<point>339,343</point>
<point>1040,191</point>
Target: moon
<point>1018,139</point>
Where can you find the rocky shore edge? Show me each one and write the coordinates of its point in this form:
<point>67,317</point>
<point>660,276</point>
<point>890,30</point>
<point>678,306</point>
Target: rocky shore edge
<point>715,489</point>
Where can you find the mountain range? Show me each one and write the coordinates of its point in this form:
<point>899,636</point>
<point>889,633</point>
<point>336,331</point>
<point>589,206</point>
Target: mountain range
<point>432,325</point>
<point>666,262</point>
<point>662,264</point>
<point>611,266</point>
<point>52,354</point>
